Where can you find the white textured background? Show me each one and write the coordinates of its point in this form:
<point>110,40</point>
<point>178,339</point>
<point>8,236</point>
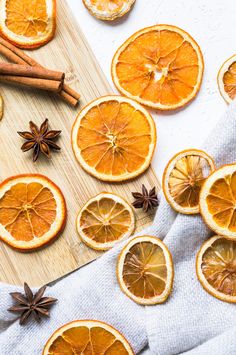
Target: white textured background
<point>211,23</point>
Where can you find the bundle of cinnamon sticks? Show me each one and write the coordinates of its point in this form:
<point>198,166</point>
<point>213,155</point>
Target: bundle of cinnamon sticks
<point>24,70</point>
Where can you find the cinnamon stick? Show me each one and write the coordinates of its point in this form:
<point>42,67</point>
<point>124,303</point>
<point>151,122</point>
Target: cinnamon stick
<point>42,84</point>
<point>31,72</point>
<point>17,56</point>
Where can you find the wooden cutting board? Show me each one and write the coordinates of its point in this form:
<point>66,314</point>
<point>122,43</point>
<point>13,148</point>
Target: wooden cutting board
<point>68,52</point>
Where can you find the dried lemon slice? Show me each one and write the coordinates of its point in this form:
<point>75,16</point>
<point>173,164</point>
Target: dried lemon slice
<point>183,178</point>
<point>218,201</point>
<point>216,268</point>
<point>108,10</point>
<point>104,220</point>
<point>145,270</point>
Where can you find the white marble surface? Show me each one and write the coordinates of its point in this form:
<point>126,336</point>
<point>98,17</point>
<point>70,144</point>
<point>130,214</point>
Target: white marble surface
<point>211,23</point>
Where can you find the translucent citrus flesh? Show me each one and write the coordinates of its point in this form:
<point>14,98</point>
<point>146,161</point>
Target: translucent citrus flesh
<point>26,17</point>
<point>105,220</point>
<point>27,211</point>
<point>186,179</point>
<point>114,138</point>
<point>159,66</point>
<point>221,202</point>
<point>145,271</point>
<point>110,6</point>
<point>219,266</point>
<point>87,341</point>
<point>229,80</point>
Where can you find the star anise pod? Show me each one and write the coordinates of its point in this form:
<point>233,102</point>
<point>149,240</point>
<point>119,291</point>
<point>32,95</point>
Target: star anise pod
<point>30,304</point>
<point>146,200</point>
<point>41,140</point>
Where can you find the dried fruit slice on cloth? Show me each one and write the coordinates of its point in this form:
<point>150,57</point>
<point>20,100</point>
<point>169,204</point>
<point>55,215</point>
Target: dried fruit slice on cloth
<point>145,270</point>
<point>104,220</point>
<point>218,201</point>
<point>216,268</point>
<point>227,79</point>
<point>32,211</point>
<point>108,9</point>
<point>114,138</point>
<point>27,23</point>
<point>183,178</point>
<point>159,66</point>
<point>87,337</point>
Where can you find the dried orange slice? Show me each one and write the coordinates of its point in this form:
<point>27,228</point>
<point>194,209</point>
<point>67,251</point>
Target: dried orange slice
<point>145,270</point>
<point>159,66</point>
<point>183,178</point>
<point>32,211</point>
<point>227,79</point>
<point>27,23</point>
<point>218,201</point>
<point>108,10</point>
<point>216,268</point>
<point>104,220</point>
<point>87,337</point>
<point>114,138</point>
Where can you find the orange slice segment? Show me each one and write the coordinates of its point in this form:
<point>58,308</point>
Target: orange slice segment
<point>216,268</point>
<point>218,201</point>
<point>108,10</point>
<point>183,178</point>
<point>159,66</point>
<point>32,211</point>
<point>87,337</point>
<point>114,138</point>
<point>104,220</point>
<point>227,79</point>
<point>27,23</point>
<point>145,270</point>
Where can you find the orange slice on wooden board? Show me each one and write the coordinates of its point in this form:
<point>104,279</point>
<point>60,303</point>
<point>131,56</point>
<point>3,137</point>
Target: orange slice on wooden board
<point>32,211</point>
<point>218,201</point>
<point>160,66</point>
<point>216,268</point>
<point>108,10</point>
<point>104,220</point>
<point>114,138</point>
<point>26,23</point>
<point>183,178</point>
<point>87,337</point>
<point>145,270</point>
<point>227,79</point>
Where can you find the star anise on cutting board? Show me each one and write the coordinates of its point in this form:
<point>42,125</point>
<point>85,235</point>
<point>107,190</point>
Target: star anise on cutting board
<point>30,304</point>
<point>146,200</point>
<point>41,140</point>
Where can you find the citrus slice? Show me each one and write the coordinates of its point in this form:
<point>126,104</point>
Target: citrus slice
<point>104,220</point>
<point>183,178</point>
<point>227,79</point>
<point>27,23</point>
<point>108,10</point>
<point>32,211</point>
<point>87,337</point>
<point>114,138</point>
<point>159,66</point>
<point>216,268</point>
<point>145,270</point>
<point>218,201</point>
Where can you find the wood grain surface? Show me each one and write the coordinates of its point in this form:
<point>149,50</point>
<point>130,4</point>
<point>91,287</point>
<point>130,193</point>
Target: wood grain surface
<point>68,52</point>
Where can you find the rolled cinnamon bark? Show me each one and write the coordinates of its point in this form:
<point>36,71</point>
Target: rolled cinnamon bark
<point>17,56</point>
<point>42,84</point>
<point>31,72</point>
